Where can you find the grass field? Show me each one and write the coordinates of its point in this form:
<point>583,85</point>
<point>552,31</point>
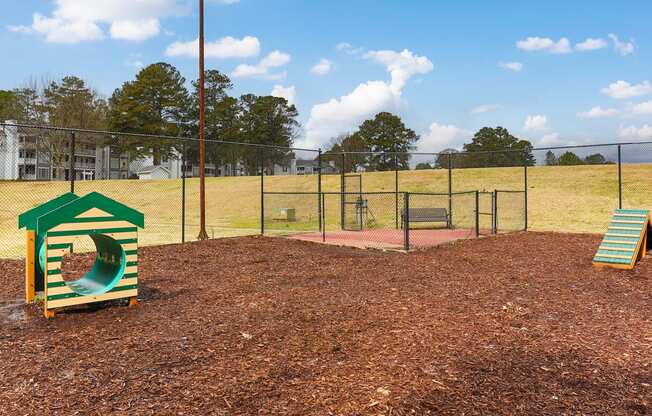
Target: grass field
<point>573,199</point>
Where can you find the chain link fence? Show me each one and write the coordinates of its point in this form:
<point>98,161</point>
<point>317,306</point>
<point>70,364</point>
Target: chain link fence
<point>252,188</point>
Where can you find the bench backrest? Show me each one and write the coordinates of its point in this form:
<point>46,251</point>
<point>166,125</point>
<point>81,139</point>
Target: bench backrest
<point>434,214</point>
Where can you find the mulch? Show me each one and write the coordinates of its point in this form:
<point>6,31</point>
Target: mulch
<point>512,325</point>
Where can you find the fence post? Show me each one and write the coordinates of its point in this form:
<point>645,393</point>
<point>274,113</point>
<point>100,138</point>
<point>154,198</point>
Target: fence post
<point>183,193</point>
<point>71,169</point>
<point>262,193</point>
<point>323,221</point>
<point>319,205</point>
<point>477,213</point>
<point>342,190</point>
<point>450,189</point>
<point>406,221</point>
<point>396,188</point>
<point>494,198</point>
<point>525,195</point>
<point>620,178</point>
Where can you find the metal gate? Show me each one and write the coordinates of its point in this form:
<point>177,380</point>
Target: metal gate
<point>487,213</point>
<point>353,204</point>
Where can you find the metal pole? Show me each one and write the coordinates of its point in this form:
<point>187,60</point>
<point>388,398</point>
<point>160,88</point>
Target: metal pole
<point>396,188</point>
<point>319,205</point>
<point>203,235</point>
<point>525,193</point>
<point>323,213</point>
<point>342,190</point>
<point>495,211</point>
<point>183,193</point>
<point>620,178</point>
<point>450,190</point>
<point>406,219</point>
<point>477,213</point>
<point>71,169</point>
<point>262,196</point>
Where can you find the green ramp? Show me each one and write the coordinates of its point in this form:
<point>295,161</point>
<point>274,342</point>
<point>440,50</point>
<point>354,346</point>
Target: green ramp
<point>626,239</point>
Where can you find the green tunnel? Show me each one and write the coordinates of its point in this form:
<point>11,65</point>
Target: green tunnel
<point>109,267</point>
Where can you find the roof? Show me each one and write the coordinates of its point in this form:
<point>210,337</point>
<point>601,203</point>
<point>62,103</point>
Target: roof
<point>150,169</point>
<point>58,211</point>
<point>28,218</point>
<point>307,162</point>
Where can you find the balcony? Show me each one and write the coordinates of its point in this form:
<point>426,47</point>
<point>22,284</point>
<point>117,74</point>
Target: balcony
<point>83,152</point>
<point>81,166</point>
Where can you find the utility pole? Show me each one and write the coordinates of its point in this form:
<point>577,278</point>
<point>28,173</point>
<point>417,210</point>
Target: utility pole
<point>203,235</point>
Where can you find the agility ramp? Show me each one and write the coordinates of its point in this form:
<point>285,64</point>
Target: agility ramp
<point>626,239</point>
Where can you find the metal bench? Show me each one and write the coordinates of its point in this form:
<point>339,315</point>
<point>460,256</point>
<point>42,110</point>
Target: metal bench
<point>425,215</point>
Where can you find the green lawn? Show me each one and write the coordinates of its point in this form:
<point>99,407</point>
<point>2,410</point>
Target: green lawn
<point>574,199</point>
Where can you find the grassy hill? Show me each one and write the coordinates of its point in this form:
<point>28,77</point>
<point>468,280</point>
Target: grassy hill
<point>572,199</point>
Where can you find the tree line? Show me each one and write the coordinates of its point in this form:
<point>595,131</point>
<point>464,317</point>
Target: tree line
<point>159,101</point>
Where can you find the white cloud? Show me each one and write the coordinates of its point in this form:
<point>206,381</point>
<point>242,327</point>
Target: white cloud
<point>401,65</point>
<point>440,137</point>
<point>644,108</point>
<point>550,139</point>
<point>545,44</point>
<point>485,108</point>
<point>289,93</point>
<point>74,21</point>
<point>599,112</point>
<point>224,48</point>
<point>536,122</point>
<point>623,48</point>
<point>57,30</point>
<point>623,89</point>
<point>275,59</point>
<point>322,67</point>
<point>344,114</point>
<point>135,30</point>
<point>25,30</point>
<point>348,48</point>
<point>591,44</point>
<point>511,66</point>
<point>635,133</point>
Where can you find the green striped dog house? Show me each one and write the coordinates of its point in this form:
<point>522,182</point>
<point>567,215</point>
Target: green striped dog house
<point>52,230</point>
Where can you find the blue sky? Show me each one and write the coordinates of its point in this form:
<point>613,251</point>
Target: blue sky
<point>554,72</point>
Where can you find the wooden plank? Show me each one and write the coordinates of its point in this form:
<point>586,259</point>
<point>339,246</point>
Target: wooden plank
<point>627,221</point>
<point>616,248</point>
<point>612,256</point>
<point>91,299</point>
<point>61,290</point>
<point>30,266</point>
<point>76,226</point>
<point>94,212</point>
<point>614,265</point>
<point>115,236</point>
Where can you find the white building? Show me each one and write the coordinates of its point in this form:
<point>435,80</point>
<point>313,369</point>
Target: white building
<point>26,156</point>
<point>153,172</point>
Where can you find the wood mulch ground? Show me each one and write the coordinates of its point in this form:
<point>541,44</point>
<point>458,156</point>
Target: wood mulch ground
<point>512,325</point>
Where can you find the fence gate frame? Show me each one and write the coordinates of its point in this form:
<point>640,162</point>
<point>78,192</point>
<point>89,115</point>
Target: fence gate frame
<point>355,204</point>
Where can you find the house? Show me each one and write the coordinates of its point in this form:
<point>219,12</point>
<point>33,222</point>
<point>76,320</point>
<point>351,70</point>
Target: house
<point>153,172</point>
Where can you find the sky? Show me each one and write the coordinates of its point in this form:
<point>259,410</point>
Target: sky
<point>554,72</point>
